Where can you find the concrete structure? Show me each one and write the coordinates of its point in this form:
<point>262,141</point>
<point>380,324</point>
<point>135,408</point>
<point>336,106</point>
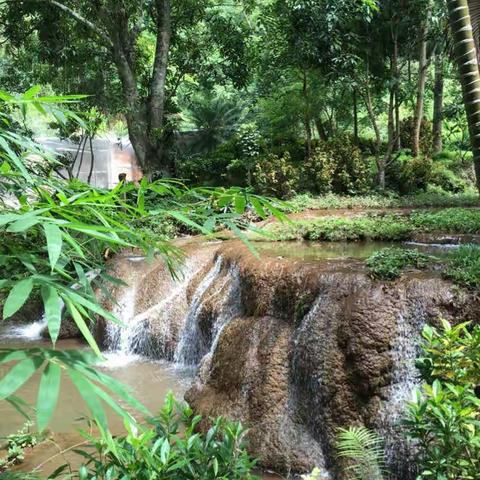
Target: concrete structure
<point>111,158</point>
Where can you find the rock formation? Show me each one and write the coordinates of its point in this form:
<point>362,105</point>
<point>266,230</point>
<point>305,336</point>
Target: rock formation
<point>294,349</point>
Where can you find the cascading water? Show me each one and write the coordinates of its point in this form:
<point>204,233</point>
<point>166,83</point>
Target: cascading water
<point>195,341</point>
<point>399,455</point>
<point>175,328</point>
<point>35,330</point>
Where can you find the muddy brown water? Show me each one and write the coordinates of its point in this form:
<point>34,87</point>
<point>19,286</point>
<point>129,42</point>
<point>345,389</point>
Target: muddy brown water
<point>149,380</point>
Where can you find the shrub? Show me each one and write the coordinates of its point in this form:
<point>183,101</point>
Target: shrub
<point>351,174</point>
<point>390,262</point>
<point>451,220</point>
<point>464,266</point>
<point>209,169</point>
<point>317,172</point>
<point>426,135</point>
<point>171,449</point>
<point>410,174</point>
<point>446,179</point>
<point>16,444</point>
<point>274,175</point>
<point>388,227</point>
<point>443,418</point>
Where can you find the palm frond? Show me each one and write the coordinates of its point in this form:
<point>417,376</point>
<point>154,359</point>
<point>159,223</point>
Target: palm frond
<point>363,450</point>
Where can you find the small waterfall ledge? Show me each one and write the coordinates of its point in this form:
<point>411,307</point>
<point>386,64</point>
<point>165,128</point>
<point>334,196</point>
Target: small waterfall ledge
<point>293,349</point>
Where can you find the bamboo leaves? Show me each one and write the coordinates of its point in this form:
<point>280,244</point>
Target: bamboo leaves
<point>94,387</point>
<point>17,297</point>
<point>48,394</point>
<point>53,310</point>
<point>53,235</point>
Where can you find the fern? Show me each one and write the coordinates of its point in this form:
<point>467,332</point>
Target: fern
<point>363,450</point>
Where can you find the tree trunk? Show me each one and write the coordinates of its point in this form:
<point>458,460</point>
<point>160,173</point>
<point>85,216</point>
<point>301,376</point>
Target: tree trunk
<point>322,134</point>
<point>466,57</point>
<point>437,145</point>
<point>306,118</point>
<point>380,161</point>
<point>145,116</point>
<point>422,78</point>
<point>396,85</point>
<point>355,116</point>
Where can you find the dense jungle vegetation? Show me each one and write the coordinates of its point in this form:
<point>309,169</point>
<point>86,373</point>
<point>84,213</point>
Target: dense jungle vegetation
<point>237,111</point>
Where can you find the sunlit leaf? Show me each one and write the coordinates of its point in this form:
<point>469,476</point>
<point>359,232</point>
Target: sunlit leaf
<point>17,297</point>
<point>48,392</point>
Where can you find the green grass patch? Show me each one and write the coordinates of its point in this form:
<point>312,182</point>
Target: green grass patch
<point>450,220</point>
<point>433,199</point>
<point>389,263</point>
<point>390,227</point>
<point>333,229</point>
<point>464,266</point>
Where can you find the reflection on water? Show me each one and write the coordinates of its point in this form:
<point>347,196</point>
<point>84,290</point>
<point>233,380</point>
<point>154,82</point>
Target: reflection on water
<point>150,382</point>
<point>317,251</point>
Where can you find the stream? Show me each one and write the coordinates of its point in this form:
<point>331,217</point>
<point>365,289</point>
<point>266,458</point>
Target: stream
<point>173,327</point>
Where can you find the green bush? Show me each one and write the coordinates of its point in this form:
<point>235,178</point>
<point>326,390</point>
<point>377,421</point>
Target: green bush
<point>317,172</point>
<point>352,173</point>
<point>410,174</point>
<point>171,449</point>
<point>211,168</point>
<point>464,266</point>
<point>426,135</point>
<point>274,175</point>
<point>390,262</point>
<point>388,227</point>
<point>15,446</point>
<point>443,419</point>
<point>450,220</point>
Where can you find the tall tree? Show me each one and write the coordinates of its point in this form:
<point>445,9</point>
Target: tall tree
<point>437,127</point>
<point>464,23</point>
<point>151,44</point>
<point>422,79</point>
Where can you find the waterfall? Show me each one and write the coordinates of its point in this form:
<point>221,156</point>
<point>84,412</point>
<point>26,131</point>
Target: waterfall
<point>198,340</point>
<point>175,328</point>
<point>405,378</point>
<point>34,331</point>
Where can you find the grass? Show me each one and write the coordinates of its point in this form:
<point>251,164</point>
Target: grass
<point>430,199</point>
<point>390,227</point>
<point>389,263</point>
<point>463,267</point>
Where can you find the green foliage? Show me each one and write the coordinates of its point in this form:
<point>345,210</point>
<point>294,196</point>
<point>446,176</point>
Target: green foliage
<point>171,448</point>
<point>388,227</point>
<point>426,135</point>
<point>443,419</point>
<point>449,220</point>
<point>390,262</point>
<point>317,172</point>
<point>363,451</point>
<point>215,120</point>
<point>374,201</point>
<point>55,237</point>
<point>464,266</point>
<point>275,175</point>
<point>377,226</point>
<point>351,175</point>
<point>15,445</point>
<point>411,174</point>
<point>199,169</point>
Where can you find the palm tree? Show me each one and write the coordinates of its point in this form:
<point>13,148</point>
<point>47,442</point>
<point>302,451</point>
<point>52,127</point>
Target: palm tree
<point>215,120</point>
<point>465,23</point>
